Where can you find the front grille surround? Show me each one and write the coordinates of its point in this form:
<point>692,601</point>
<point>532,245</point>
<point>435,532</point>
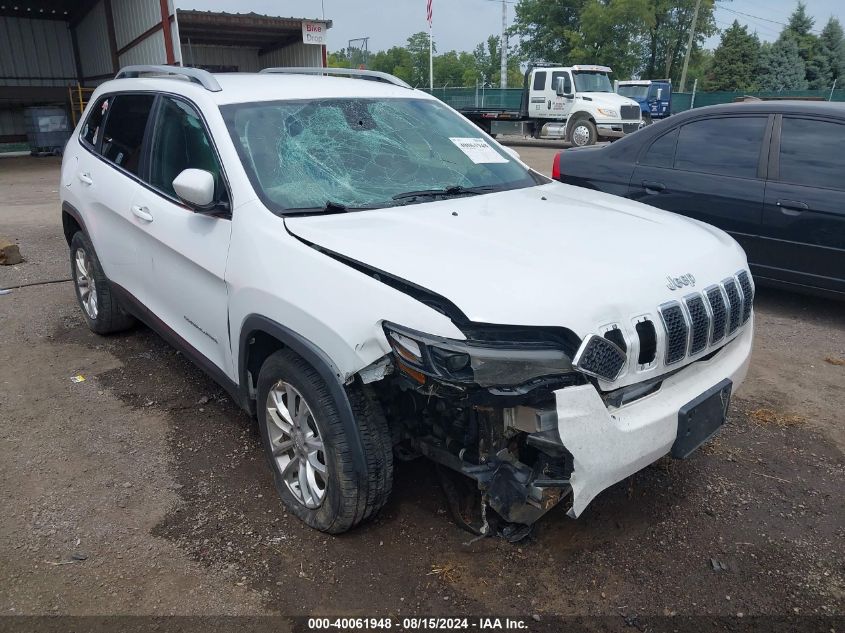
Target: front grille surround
<point>600,357</point>
<point>688,328</point>
<point>629,112</point>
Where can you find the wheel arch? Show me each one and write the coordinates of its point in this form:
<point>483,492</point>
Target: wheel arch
<point>72,222</point>
<point>260,337</point>
<point>575,118</point>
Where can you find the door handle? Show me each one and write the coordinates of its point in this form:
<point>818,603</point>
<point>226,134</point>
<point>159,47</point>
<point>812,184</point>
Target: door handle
<point>142,212</point>
<point>653,187</point>
<point>792,207</point>
<point>85,178</point>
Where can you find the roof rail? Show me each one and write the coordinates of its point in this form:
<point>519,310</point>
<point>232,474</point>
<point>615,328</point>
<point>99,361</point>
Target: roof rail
<point>195,75</point>
<point>372,75</point>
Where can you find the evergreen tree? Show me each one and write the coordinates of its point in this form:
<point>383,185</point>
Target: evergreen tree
<point>833,48</point>
<point>781,66</point>
<point>735,60</point>
<point>816,64</point>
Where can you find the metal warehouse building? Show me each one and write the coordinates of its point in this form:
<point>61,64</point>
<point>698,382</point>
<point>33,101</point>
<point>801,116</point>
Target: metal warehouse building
<point>49,48</point>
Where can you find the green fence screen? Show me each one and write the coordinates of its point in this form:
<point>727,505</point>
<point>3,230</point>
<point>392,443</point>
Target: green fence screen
<point>684,100</point>
<point>511,98</point>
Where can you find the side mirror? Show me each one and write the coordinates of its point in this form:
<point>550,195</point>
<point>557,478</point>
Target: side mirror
<point>512,152</point>
<point>659,94</point>
<point>196,188</point>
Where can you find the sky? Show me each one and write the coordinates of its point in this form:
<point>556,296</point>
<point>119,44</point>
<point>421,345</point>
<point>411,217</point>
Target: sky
<point>461,24</point>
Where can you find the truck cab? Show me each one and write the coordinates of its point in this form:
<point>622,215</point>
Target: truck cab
<point>577,103</point>
<point>653,95</point>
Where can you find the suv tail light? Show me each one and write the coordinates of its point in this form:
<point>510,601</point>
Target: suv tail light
<point>556,166</point>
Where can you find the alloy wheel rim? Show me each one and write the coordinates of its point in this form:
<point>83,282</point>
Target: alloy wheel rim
<point>85,283</point>
<point>581,135</point>
<point>297,447</point>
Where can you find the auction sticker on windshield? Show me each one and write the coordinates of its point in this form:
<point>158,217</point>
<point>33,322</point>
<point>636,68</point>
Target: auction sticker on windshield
<point>478,150</point>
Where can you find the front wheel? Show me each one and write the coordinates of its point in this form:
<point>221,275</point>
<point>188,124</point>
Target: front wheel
<point>583,133</point>
<point>309,450</point>
<point>647,120</point>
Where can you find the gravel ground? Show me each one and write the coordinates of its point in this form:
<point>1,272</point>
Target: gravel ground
<point>143,490</point>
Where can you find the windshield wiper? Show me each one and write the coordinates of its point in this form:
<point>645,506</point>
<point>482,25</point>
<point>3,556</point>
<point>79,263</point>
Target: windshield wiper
<point>330,207</point>
<point>457,190</point>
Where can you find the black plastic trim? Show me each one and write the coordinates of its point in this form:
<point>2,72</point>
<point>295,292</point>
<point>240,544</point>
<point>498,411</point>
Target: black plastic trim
<point>131,304</point>
<point>321,363</point>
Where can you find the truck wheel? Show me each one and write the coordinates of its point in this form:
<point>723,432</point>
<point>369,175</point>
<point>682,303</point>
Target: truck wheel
<point>647,119</point>
<point>583,133</point>
<point>309,451</point>
<point>99,306</point>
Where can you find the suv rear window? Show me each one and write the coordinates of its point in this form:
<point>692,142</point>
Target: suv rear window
<point>728,146</point>
<point>123,135</point>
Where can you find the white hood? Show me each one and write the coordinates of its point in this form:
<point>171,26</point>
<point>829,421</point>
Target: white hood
<point>608,99</point>
<point>553,255</point>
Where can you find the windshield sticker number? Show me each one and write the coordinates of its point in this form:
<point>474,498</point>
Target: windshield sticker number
<point>478,150</point>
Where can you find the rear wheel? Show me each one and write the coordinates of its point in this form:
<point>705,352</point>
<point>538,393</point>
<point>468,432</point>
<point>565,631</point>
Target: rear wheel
<point>309,451</point>
<point>99,306</point>
<point>583,133</point>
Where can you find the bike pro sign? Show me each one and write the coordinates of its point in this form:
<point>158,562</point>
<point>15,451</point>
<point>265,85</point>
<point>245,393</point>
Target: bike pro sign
<point>314,32</point>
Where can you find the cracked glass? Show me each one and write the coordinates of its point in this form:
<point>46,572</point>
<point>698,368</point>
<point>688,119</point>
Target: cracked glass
<point>348,154</point>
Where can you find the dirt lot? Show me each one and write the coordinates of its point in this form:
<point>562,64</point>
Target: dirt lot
<point>142,490</point>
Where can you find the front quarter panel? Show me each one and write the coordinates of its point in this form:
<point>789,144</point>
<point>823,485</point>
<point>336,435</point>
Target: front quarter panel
<point>336,308</point>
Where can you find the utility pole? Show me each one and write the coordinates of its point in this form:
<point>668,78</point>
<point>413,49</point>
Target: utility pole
<point>503,43</point>
<point>689,45</point>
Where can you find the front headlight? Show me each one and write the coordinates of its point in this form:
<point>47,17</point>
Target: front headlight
<point>483,363</point>
<point>611,114</point>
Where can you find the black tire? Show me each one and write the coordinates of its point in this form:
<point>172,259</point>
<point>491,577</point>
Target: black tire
<point>108,317</point>
<point>347,501</point>
<point>590,134</point>
<point>647,120</point>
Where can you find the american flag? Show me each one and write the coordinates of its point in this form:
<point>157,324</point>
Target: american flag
<point>428,12</point>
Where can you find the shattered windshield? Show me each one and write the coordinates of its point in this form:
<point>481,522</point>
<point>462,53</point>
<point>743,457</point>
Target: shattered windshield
<point>591,81</point>
<point>348,154</point>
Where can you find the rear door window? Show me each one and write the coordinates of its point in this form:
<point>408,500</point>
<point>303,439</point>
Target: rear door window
<point>126,124</point>
<point>661,153</point>
<point>811,153</point>
<point>539,80</point>
<point>91,130</point>
<point>727,146</point>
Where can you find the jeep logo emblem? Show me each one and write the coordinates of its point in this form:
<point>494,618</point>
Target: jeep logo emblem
<point>676,283</point>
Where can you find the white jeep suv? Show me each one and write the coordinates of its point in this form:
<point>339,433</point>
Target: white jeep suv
<point>375,278</point>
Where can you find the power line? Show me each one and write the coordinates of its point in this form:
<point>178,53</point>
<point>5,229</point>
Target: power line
<point>757,17</point>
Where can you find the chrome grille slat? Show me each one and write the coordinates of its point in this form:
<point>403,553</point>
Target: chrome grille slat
<point>719,310</point>
<point>747,293</point>
<point>677,331</point>
<point>734,304</point>
<point>699,323</point>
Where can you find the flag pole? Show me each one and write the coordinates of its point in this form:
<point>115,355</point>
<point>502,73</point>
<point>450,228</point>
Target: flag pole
<point>430,58</point>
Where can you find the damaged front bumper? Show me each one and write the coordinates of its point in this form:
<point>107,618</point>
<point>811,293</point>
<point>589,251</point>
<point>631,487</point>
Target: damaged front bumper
<point>608,444</point>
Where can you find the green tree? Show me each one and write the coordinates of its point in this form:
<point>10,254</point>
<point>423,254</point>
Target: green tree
<point>418,49</point>
<point>832,47</point>
<point>735,60</point>
<point>611,33</point>
<point>396,61</point>
<point>781,66</point>
<point>667,37</point>
<point>547,28</point>
<point>816,64</point>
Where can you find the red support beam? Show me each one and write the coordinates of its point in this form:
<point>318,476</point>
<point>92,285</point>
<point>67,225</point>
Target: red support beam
<point>168,38</point>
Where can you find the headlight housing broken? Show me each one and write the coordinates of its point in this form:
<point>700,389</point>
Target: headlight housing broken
<point>486,363</point>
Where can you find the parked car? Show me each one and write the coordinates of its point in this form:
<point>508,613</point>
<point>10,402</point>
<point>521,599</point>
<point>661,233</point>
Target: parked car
<point>367,272</point>
<point>771,174</point>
